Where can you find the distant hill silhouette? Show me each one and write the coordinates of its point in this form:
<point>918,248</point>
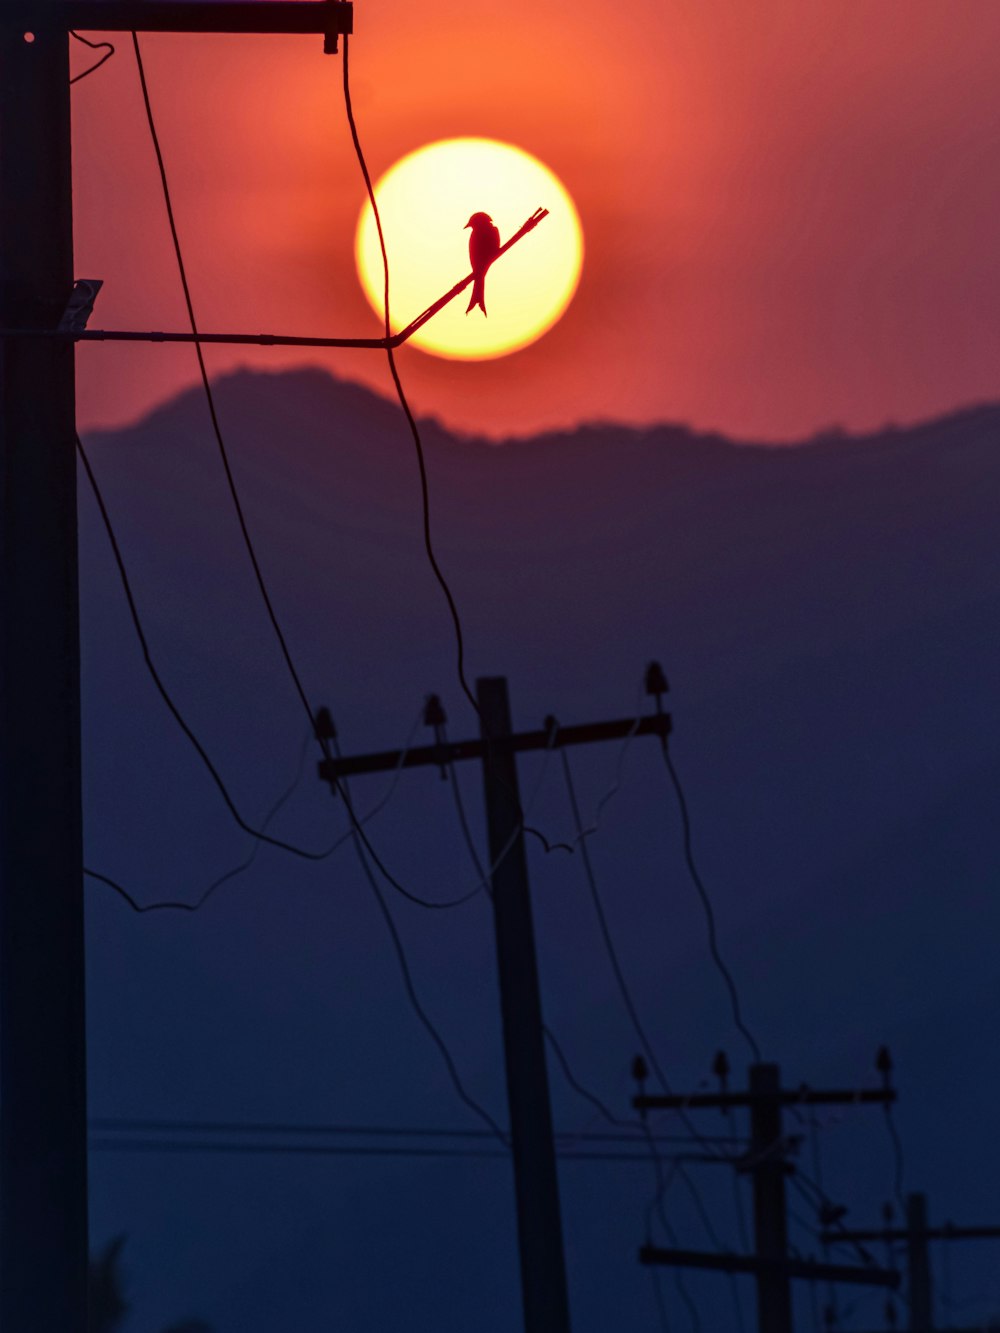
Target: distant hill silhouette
<point>828,616</point>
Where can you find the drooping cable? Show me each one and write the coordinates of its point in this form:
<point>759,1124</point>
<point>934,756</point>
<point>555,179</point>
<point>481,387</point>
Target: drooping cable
<point>656,1209</point>
<point>609,946</point>
<point>179,904</point>
<point>107,47</point>
<point>401,395</point>
<point>706,902</point>
<point>209,396</point>
<point>411,992</point>
<point>161,688</point>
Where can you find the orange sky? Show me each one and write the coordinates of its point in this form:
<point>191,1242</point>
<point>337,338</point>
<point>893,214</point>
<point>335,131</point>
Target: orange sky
<point>790,208</point>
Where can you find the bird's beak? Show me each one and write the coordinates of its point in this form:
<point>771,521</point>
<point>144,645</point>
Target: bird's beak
<point>467,225</point>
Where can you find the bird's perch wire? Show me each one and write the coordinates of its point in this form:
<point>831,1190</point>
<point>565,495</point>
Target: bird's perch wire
<point>275,340</point>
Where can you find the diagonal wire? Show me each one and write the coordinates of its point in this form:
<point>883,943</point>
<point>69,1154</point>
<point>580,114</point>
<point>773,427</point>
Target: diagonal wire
<point>210,399</point>
<point>164,693</point>
<point>411,992</point>
<point>706,902</point>
<point>656,1208</point>
<point>179,905</point>
<point>401,395</point>
<point>182,906</point>
<point>623,986</point>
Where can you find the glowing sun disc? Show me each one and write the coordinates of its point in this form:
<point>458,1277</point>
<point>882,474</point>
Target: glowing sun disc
<point>425,200</point>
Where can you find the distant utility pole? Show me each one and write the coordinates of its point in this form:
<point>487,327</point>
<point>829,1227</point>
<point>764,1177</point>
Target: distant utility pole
<point>766,1163</point>
<point>917,1234</point>
<point>543,1269</point>
<point>43,1162</point>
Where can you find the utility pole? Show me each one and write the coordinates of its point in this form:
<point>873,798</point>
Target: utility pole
<point>43,1158</point>
<point>917,1235</point>
<point>543,1266</point>
<point>766,1162</point>
<point>543,1272</point>
<point>43,1153</point>
<point>770,1216</point>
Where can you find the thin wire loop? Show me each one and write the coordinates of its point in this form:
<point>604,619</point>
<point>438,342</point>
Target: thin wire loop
<point>107,47</point>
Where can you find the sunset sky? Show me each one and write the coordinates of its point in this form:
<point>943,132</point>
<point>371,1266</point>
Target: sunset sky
<point>789,210</point>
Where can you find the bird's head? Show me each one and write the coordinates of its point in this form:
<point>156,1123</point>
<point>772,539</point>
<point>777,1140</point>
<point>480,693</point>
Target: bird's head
<point>479,220</point>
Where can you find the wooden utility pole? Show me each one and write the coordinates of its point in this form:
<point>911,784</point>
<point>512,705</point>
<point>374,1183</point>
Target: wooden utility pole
<point>43,1161</point>
<point>766,1162</point>
<point>770,1209</point>
<point>543,1267</point>
<point>543,1270</point>
<point>917,1235</point>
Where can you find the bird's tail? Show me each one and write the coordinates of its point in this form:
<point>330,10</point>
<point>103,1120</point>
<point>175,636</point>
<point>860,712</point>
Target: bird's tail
<point>478,294</point>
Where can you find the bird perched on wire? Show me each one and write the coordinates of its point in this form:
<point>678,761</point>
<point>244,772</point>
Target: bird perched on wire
<point>484,246</point>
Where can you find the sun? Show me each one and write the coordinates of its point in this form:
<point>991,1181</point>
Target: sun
<point>425,200</point>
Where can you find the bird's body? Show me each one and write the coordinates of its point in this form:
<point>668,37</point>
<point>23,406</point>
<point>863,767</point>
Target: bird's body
<point>484,246</point>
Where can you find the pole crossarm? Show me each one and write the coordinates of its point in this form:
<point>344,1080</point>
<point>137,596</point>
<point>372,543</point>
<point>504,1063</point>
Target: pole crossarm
<point>786,1097</point>
<point>946,1232</point>
<point>276,339</point>
<point>447,752</point>
<point>744,1263</point>
<point>264,17</point>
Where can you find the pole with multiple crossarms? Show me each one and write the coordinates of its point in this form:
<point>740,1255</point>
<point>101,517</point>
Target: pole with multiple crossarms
<point>543,1271</point>
<point>765,1162</point>
<point>916,1234</point>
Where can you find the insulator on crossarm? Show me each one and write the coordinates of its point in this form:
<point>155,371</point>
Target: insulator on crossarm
<point>656,682</point>
<point>434,714</point>
<point>323,725</point>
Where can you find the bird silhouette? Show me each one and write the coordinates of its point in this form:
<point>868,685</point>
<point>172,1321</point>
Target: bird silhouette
<point>484,246</point>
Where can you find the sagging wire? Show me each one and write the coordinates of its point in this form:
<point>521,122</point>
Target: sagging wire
<point>401,395</point>
<point>656,685</point>
<point>431,1029</point>
<point>210,398</point>
<point>656,1209</point>
<point>485,873</point>
<point>182,906</point>
<point>161,688</point>
<point>179,904</point>
<point>107,47</point>
<point>609,946</point>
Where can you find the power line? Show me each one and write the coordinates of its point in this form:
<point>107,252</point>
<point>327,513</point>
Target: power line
<point>411,991</point>
<point>400,394</point>
<point>163,1145</point>
<point>294,1129</point>
<point>107,47</point>
<point>706,902</point>
<point>357,824</point>
<point>609,945</point>
<point>161,688</point>
<point>209,397</point>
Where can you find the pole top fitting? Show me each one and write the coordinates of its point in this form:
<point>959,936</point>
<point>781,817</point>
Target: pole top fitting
<point>434,714</point>
<point>883,1063</point>
<point>323,725</point>
<point>640,1072</point>
<point>656,683</point>
<point>340,20</point>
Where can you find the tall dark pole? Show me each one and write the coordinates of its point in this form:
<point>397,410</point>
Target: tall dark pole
<point>543,1269</point>
<point>918,1264</point>
<point>774,1294</point>
<point>43,1170</point>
